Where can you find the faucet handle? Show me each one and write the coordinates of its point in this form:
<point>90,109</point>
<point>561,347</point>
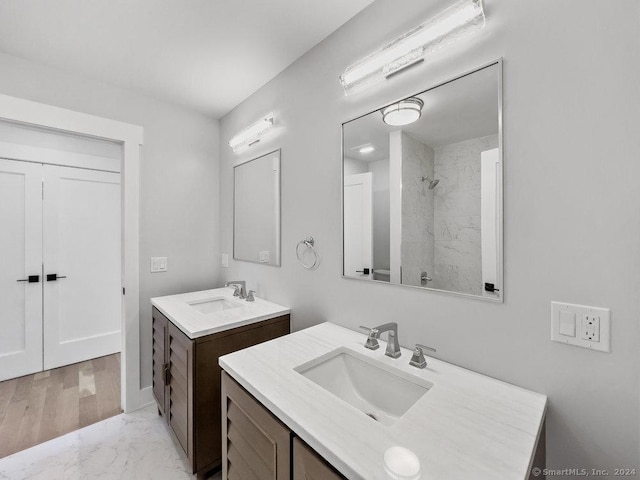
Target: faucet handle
<point>250,297</point>
<point>372,338</point>
<point>236,290</point>
<point>417,359</point>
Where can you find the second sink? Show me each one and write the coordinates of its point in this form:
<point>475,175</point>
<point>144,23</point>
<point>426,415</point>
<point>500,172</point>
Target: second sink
<point>379,391</point>
<point>213,305</point>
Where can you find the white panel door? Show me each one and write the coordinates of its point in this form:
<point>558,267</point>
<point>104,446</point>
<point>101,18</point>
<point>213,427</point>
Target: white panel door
<point>489,178</point>
<point>358,224</point>
<point>20,257</point>
<point>82,306</point>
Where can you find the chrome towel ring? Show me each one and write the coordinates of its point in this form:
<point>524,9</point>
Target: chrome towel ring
<point>309,244</point>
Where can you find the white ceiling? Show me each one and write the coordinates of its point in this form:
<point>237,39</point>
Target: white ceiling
<point>207,55</point>
<point>460,110</point>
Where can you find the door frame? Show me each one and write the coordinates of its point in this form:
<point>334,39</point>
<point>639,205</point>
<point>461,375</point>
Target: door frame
<point>23,111</point>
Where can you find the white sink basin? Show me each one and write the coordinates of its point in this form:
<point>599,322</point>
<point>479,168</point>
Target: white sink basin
<point>213,305</point>
<point>381,392</point>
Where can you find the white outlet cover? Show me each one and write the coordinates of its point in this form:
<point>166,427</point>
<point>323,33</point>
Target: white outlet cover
<point>264,256</point>
<point>593,326</point>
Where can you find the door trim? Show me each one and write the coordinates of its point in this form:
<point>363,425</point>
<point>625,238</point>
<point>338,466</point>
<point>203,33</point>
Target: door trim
<point>131,136</point>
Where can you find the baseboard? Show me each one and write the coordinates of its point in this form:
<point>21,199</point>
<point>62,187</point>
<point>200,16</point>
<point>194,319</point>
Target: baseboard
<point>143,398</point>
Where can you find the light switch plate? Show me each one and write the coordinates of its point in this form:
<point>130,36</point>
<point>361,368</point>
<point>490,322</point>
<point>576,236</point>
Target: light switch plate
<point>225,260</point>
<point>567,323</point>
<point>581,325</point>
<point>158,264</point>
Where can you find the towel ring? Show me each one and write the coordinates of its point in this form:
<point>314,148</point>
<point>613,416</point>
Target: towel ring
<point>309,244</point>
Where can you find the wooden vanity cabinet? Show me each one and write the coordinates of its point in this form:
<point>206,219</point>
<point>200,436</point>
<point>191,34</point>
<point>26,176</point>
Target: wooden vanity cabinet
<point>257,446</point>
<point>186,382</point>
<point>308,465</point>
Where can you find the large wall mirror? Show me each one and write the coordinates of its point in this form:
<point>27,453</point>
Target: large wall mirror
<point>422,179</point>
<point>256,210</point>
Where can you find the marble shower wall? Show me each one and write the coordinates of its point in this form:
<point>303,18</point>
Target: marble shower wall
<point>457,250</point>
<point>417,250</point>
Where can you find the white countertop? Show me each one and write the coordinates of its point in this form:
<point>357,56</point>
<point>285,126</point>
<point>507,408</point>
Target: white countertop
<point>468,426</point>
<point>194,323</point>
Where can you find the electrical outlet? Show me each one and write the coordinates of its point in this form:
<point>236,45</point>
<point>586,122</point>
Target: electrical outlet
<point>158,264</point>
<point>581,326</point>
<point>264,256</point>
<point>591,327</point>
<point>225,260</point>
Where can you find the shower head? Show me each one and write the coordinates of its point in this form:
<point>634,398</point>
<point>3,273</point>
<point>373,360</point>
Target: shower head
<point>432,183</point>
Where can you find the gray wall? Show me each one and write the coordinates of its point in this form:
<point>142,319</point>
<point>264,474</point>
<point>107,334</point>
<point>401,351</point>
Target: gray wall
<point>178,178</point>
<point>572,205</point>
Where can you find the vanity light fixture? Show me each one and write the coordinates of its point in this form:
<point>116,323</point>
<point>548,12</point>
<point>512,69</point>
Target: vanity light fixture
<point>402,113</point>
<point>453,23</point>
<point>252,134</point>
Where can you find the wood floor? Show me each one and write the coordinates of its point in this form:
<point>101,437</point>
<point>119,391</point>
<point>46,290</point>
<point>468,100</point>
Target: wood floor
<point>36,408</point>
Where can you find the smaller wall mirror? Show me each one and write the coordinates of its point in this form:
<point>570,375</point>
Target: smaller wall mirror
<point>256,210</point>
<point>422,189</point>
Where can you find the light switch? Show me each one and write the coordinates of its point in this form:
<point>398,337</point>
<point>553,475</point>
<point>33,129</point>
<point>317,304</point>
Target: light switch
<point>581,326</point>
<point>567,325</point>
<point>158,264</point>
<point>225,260</point>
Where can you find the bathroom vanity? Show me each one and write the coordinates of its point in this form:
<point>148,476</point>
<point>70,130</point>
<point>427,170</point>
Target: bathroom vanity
<point>321,402</point>
<point>190,332</point>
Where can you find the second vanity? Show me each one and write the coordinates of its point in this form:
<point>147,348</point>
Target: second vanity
<point>318,401</point>
<point>190,332</point>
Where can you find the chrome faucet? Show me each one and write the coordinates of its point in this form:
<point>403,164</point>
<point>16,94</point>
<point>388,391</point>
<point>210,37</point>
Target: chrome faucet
<point>418,360</point>
<point>240,286</point>
<point>393,347</point>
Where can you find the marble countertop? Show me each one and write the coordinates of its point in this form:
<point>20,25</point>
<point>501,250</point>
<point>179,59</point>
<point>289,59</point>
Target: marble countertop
<point>466,426</point>
<point>194,323</point>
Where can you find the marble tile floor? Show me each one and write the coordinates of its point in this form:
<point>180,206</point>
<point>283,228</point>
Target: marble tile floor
<point>133,446</point>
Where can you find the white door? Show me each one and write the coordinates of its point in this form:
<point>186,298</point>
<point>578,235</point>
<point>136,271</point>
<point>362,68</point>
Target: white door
<point>82,265</point>
<point>20,258</point>
<point>358,224</point>
<point>490,179</point>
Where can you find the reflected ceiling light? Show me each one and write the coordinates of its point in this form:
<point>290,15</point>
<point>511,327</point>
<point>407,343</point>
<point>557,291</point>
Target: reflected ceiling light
<point>453,23</point>
<point>402,113</point>
<point>364,149</point>
<point>252,134</point>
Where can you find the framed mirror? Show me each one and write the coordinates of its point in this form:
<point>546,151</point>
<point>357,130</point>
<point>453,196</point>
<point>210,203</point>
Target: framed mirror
<point>422,189</point>
<point>256,210</point>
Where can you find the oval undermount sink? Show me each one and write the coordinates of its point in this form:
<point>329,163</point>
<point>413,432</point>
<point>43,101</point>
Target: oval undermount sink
<point>379,391</point>
<point>213,305</point>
